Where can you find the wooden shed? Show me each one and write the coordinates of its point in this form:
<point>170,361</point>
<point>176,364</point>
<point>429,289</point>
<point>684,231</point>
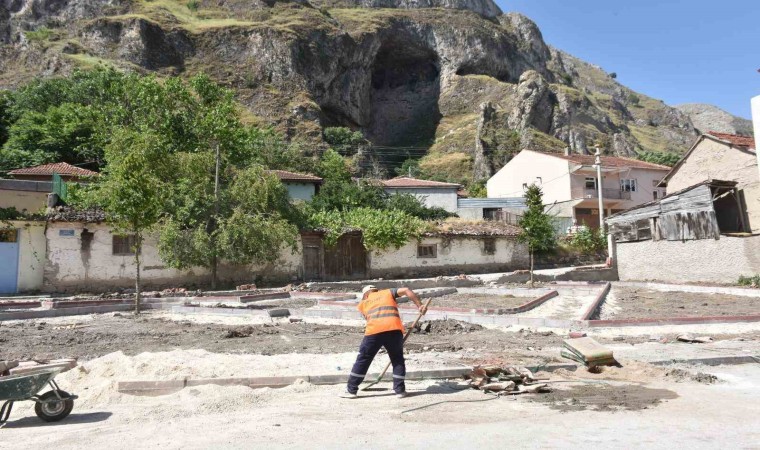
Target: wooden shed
<point>702,211</point>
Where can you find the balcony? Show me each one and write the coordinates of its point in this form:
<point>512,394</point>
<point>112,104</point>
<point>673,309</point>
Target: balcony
<point>612,194</point>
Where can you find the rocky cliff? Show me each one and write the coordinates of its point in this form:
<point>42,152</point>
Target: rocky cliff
<point>711,118</point>
<point>456,78</point>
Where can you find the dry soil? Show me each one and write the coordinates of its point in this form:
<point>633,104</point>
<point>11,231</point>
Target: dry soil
<point>479,301</point>
<point>638,303</point>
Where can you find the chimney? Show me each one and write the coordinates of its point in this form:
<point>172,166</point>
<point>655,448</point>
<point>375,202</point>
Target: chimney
<point>756,124</point>
<point>567,151</point>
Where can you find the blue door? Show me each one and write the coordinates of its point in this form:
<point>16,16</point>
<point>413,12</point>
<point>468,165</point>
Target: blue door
<point>8,261</point>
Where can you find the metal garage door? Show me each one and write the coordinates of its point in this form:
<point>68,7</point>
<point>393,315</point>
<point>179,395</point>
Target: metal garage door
<point>8,261</point>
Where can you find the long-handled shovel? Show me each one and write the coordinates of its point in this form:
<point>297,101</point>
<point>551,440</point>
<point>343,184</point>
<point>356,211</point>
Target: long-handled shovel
<point>406,336</point>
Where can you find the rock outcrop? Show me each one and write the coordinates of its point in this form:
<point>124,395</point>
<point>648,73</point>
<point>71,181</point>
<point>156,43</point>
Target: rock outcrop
<point>406,73</point>
<point>711,118</point>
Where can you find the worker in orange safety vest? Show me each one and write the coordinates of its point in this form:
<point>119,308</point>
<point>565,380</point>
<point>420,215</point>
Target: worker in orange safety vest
<point>384,329</point>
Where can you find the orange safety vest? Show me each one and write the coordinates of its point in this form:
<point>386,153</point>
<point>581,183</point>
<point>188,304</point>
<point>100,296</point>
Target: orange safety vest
<point>381,311</point>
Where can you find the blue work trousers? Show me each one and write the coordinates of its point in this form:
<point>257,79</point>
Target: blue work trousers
<point>393,341</point>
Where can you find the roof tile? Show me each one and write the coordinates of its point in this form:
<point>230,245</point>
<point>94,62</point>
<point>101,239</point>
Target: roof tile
<point>611,161</point>
<point>284,175</point>
<point>734,139</point>
<point>61,168</point>
<point>408,182</point>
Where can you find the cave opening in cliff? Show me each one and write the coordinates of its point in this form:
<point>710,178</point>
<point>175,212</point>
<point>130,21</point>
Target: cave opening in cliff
<point>404,95</point>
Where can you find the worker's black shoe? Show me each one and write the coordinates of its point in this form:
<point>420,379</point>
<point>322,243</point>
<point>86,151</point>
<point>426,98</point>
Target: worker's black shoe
<point>347,395</point>
<point>401,394</point>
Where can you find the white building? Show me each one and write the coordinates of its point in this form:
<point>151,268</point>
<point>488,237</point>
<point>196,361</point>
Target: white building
<point>569,183</point>
<point>300,186</point>
<point>431,193</point>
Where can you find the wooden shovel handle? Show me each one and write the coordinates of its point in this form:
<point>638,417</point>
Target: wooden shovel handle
<point>416,321</point>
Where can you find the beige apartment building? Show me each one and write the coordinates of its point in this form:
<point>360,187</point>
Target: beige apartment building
<point>569,184</point>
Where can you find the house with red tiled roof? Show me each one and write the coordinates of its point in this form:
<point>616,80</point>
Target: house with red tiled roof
<point>45,172</point>
<point>721,156</point>
<point>570,185</point>
<point>300,186</point>
<point>433,194</point>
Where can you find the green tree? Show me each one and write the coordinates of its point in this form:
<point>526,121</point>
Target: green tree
<point>537,230</point>
<point>132,189</point>
<point>343,140</point>
<point>664,158</point>
<point>381,229</point>
<point>243,224</point>
<point>223,208</point>
<point>409,168</point>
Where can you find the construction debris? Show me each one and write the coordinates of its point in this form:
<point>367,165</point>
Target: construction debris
<point>510,380</point>
<point>246,287</point>
<point>694,340</point>
<point>588,352</point>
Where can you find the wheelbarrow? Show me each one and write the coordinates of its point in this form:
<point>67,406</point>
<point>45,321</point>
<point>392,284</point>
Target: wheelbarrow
<point>52,406</point>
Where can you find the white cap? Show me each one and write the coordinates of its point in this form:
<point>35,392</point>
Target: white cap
<point>367,288</point>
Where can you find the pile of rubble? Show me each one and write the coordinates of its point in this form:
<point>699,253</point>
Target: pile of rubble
<point>510,380</point>
<point>446,327</point>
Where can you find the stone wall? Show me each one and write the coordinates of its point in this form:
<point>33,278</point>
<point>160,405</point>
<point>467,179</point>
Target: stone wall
<point>75,263</point>
<point>704,260</point>
<point>455,255</point>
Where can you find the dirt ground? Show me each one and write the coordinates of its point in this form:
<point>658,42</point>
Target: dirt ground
<point>107,333</point>
<point>93,336</point>
<point>479,301</point>
<point>638,303</point>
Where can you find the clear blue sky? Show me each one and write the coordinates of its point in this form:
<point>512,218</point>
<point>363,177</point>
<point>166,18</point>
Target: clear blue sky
<point>680,51</point>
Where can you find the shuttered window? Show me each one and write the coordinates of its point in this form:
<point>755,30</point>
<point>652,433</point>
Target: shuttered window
<point>123,244</point>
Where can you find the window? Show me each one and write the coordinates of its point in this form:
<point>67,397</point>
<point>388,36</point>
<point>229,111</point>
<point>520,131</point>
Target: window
<point>655,183</point>
<point>627,185</point>
<point>525,186</point>
<point>9,236</point>
<point>489,246</point>
<point>654,195</point>
<point>427,250</point>
<point>123,244</point>
<point>590,183</point>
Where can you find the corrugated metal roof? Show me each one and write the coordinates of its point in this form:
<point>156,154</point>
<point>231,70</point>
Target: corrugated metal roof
<point>506,202</point>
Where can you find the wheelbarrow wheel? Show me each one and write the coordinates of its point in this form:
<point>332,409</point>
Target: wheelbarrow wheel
<point>53,411</point>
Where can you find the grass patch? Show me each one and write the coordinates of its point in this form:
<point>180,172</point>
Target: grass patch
<point>42,34</point>
<point>448,167</point>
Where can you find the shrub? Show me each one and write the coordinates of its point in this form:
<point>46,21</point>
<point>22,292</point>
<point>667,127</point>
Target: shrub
<point>634,99</point>
<point>193,5</point>
<point>589,241</point>
<point>753,281</point>
<point>613,75</point>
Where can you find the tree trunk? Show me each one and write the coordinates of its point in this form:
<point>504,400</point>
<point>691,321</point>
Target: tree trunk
<point>138,248</point>
<point>531,268</point>
<point>214,264</point>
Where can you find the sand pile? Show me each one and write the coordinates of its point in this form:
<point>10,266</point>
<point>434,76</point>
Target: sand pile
<point>636,371</point>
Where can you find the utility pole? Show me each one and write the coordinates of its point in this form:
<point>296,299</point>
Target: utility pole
<point>598,165</point>
<point>756,123</point>
<point>215,261</point>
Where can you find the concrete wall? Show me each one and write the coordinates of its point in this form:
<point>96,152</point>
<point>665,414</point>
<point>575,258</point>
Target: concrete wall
<point>439,197</point>
<point>31,261</point>
<point>704,260</point>
<point>300,191</point>
<point>714,160</point>
<point>470,213</point>
<point>30,201</point>
<point>69,266</point>
<point>455,255</point>
<point>526,167</point>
